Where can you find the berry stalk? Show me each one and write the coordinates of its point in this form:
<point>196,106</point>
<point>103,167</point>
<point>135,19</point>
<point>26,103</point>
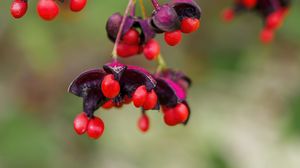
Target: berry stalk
<point>114,52</point>
<point>161,63</point>
<point>143,9</point>
<point>155,4</point>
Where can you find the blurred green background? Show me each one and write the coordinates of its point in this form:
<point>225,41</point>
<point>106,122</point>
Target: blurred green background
<point>245,97</point>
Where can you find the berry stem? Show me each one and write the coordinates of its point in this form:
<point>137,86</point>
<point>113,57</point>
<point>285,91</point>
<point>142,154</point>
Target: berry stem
<point>161,63</point>
<point>155,4</point>
<point>114,52</point>
<point>143,9</point>
<point>132,11</point>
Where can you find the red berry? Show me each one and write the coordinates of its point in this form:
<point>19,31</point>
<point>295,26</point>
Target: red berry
<point>173,38</point>
<point>77,5</point>
<point>18,8</point>
<point>81,123</point>
<point>151,100</point>
<point>151,49</point>
<point>274,20</point>
<point>109,104</point>
<point>170,117</point>
<point>126,50</point>
<point>139,96</point>
<point>266,36</point>
<point>189,25</point>
<point>131,37</point>
<point>143,123</point>
<point>249,3</point>
<point>95,128</point>
<point>182,112</point>
<point>47,9</point>
<point>110,87</point>
<point>228,15</point>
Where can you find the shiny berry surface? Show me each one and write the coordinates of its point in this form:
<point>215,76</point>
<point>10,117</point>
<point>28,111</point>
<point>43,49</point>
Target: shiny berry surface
<point>143,123</point>
<point>139,96</point>
<point>109,104</point>
<point>81,123</point>
<point>151,100</point>
<point>95,128</point>
<point>152,49</point>
<point>173,38</point>
<point>126,50</point>
<point>170,117</point>
<point>18,8</point>
<point>110,87</point>
<point>132,37</point>
<point>47,9</point>
<point>77,5</point>
<point>189,25</point>
<point>181,112</point>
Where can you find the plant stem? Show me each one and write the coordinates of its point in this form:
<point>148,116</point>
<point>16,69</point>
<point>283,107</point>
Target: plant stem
<point>161,63</point>
<point>114,52</point>
<point>155,4</point>
<point>143,9</point>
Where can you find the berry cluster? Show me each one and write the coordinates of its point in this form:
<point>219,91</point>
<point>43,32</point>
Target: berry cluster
<point>47,9</point>
<point>137,36</point>
<point>117,84</point>
<point>273,13</point>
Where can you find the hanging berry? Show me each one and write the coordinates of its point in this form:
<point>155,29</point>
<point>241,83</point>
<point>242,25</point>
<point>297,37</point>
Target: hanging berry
<point>272,12</point>
<point>116,84</point>
<point>46,9</point>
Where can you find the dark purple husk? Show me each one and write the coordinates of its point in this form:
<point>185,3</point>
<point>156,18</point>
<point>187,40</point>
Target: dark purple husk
<point>88,86</point>
<point>186,8</point>
<point>165,19</point>
<point>114,22</point>
<point>113,25</point>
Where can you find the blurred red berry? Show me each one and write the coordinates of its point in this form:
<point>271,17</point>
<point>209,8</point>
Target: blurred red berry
<point>143,123</point>
<point>47,9</point>
<point>228,15</point>
<point>151,100</point>
<point>109,104</point>
<point>77,5</point>
<point>95,128</point>
<point>110,87</point>
<point>126,50</point>
<point>249,3</point>
<point>80,123</point>
<point>139,96</point>
<point>173,38</point>
<point>181,112</point>
<point>151,49</point>
<point>131,37</point>
<point>18,8</point>
<point>170,117</point>
<point>274,20</point>
<point>266,36</point>
<point>189,25</point>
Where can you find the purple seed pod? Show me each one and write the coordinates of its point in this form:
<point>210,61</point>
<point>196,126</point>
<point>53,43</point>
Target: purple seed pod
<point>113,25</point>
<point>114,22</point>
<point>178,77</point>
<point>186,8</point>
<point>172,88</point>
<point>165,19</point>
<point>88,84</point>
